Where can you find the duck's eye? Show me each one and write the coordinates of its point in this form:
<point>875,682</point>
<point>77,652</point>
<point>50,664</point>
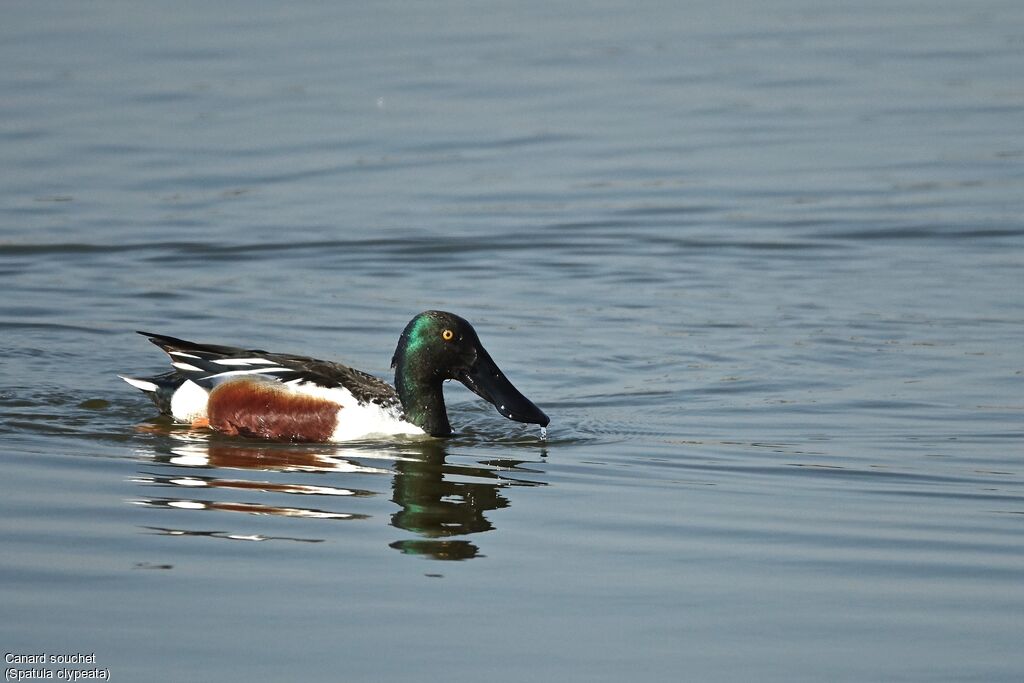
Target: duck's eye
<point>447,335</point>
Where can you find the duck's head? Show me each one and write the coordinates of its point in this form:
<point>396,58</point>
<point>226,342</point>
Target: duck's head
<point>437,346</point>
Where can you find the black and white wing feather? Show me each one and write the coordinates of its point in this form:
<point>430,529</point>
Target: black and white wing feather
<point>208,365</point>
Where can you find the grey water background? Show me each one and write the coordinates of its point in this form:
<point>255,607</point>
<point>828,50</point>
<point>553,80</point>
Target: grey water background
<point>761,263</point>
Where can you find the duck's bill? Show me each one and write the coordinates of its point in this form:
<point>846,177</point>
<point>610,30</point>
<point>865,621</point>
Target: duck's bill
<point>488,382</point>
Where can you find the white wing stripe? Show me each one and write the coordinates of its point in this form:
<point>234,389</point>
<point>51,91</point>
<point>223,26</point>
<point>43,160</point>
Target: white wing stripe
<point>244,361</point>
<point>255,371</point>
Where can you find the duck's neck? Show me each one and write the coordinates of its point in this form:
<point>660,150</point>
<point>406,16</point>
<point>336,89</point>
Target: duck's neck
<point>422,400</point>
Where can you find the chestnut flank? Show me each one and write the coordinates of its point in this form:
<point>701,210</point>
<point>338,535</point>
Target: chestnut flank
<point>267,410</point>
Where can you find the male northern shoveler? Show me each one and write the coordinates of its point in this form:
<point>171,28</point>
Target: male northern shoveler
<point>294,398</point>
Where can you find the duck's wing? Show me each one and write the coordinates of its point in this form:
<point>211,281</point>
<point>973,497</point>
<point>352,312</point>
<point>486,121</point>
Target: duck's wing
<point>208,365</point>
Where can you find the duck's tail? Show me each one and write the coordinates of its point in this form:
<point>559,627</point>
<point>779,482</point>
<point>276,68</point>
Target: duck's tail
<point>160,388</point>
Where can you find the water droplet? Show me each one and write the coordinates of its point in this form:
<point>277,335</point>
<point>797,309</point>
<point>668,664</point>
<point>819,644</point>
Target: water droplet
<point>543,433</point>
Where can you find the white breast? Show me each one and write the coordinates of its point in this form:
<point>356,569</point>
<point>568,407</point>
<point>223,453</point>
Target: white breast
<point>355,420</point>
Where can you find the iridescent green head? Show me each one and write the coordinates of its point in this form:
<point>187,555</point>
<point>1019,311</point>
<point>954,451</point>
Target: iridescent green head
<point>437,346</point>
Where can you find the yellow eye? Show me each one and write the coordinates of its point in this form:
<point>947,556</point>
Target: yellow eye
<point>447,335</point>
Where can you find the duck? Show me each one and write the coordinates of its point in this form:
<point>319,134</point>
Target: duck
<point>283,397</point>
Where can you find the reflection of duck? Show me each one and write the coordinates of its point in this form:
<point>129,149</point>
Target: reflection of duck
<point>438,500</point>
<point>438,508</point>
<point>294,398</point>
<point>245,455</point>
<point>250,508</point>
<point>163,531</point>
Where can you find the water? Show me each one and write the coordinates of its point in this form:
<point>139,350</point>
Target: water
<point>762,266</point>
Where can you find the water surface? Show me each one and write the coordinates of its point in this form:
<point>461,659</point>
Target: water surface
<point>762,266</point>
